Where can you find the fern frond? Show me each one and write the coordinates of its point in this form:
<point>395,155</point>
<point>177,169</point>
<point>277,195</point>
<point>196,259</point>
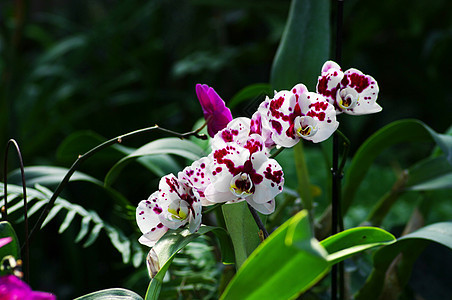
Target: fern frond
<point>90,226</point>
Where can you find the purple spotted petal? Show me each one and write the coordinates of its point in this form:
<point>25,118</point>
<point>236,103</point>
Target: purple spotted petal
<point>281,112</point>
<point>237,131</point>
<point>196,177</point>
<point>239,174</point>
<point>272,178</point>
<point>366,87</point>
<point>262,128</point>
<point>322,112</point>
<point>328,83</point>
<point>214,109</point>
<point>147,216</point>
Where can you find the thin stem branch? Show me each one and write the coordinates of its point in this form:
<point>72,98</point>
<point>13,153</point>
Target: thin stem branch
<point>336,172</point>
<point>97,149</point>
<point>25,249</point>
<point>258,221</point>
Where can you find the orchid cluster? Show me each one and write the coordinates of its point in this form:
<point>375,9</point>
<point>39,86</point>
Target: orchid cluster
<point>240,167</point>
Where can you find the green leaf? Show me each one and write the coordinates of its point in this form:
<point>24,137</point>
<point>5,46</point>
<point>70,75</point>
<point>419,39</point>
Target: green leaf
<point>172,242</point>
<point>183,148</point>
<point>409,245</point>
<point>304,46</point>
<point>13,247</point>
<point>430,174</point>
<point>395,133</point>
<point>115,293</point>
<point>286,264</point>
<point>250,92</point>
<point>349,242</point>
<point>243,230</point>
<point>49,176</point>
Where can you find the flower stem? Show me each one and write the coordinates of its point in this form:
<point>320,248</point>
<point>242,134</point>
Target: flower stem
<point>84,157</point>
<point>258,221</point>
<point>336,171</point>
<point>26,246</point>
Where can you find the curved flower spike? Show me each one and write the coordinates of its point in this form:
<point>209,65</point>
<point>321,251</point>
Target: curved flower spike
<point>215,111</point>
<point>171,207</point>
<point>351,91</point>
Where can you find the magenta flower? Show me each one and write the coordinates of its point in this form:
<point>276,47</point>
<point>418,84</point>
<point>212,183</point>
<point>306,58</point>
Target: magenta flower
<point>5,241</point>
<point>215,111</point>
<point>12,287</point>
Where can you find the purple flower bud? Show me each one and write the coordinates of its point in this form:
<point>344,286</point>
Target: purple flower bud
<point>215,111</point>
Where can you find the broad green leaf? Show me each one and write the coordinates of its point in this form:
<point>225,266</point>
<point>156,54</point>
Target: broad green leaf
<point>395,133</point>
<point>440,233</point>
<point>115,293</point>
<point>349,242</point>
<point>175,146</point>
<point>52,176</point>
<point>172,242</point>
<point>286,264</point>
<point>430,174</point>
<point>251,92</point>
<point>243,230</point>
<point>48,175</point>
<point>304,46</point>
<point>13,247</point>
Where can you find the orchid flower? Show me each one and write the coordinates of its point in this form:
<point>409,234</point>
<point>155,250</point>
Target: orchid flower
<point>11,287</point>
<point>171,207</point>
<point>244,172</point>
<point>196,177</point>
<point>297,114</point>
<point>259,126</point>
<point>351,91</point>
<point>216,113</point>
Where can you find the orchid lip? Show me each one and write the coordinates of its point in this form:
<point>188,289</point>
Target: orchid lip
<point>347,98</point>
<point>305,126</point>
<point>178,211</point>
<point>241,185</point>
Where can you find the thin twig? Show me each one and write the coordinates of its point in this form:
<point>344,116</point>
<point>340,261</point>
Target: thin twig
<point>25,249</point>
<point>93,151</point>
<point>258,221</point>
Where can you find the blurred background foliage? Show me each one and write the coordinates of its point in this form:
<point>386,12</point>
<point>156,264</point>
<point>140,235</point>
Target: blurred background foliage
<point>116,66</point>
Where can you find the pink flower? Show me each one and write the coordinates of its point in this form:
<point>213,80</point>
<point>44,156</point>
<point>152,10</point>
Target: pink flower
<point>12,287</point>
<point>5,241</point>
<point>215,111</point>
